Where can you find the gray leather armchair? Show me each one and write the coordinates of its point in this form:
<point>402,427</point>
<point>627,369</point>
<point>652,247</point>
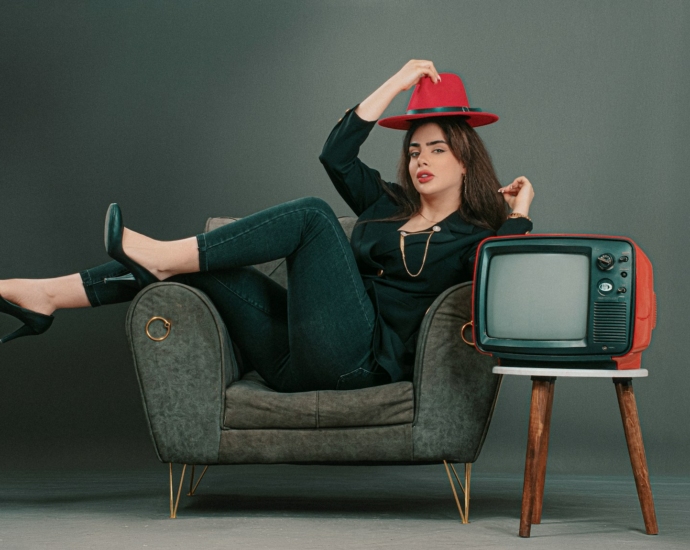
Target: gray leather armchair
<point>201,412</point>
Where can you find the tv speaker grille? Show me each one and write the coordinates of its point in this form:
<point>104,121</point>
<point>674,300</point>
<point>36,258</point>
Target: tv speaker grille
<point>611,322</point>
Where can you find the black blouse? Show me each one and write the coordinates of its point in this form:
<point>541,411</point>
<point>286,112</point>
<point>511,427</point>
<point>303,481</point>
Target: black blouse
<point>400,301</point>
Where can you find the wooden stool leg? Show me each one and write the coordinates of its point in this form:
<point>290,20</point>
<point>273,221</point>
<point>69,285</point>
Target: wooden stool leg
<point>633,435</point>
<point>541,465</point>
<point>537,422</point>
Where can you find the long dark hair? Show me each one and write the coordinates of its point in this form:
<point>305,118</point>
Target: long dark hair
<point>480,202</point>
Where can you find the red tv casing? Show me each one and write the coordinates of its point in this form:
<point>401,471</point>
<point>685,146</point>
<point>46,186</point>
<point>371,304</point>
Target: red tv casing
<point>644,316</point>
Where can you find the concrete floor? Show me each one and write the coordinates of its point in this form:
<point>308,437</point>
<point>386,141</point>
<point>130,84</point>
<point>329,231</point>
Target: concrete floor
<point>305,507</point>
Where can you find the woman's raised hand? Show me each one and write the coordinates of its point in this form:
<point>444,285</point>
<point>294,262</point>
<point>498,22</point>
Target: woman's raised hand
<point>373,106</point>
<point>518,195</point>
<point>413,71</point>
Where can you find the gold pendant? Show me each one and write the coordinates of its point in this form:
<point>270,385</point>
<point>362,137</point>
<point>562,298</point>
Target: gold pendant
<point>403,234</point>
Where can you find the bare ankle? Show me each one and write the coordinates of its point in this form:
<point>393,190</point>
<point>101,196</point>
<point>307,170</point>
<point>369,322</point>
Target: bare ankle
<point>28,293</point>
<point>163,259</point>
<point>143,250</point>
<point>66,292</point>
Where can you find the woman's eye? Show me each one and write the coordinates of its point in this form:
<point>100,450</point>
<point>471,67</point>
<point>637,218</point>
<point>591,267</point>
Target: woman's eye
<point>415,154</point>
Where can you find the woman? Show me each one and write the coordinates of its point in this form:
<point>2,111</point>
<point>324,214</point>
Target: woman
<point>351,314</point>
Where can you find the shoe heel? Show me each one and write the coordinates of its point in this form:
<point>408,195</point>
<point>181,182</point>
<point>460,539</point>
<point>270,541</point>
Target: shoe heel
<point>34,323</point>
<point>127,279</point>
<point>112,236</point>
<point>24,330</point>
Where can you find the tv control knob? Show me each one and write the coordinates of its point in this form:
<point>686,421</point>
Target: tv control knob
<point>605,262</point>
<point>605,286</point>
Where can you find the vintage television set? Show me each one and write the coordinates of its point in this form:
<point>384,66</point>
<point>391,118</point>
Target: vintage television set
<point>563,301</point>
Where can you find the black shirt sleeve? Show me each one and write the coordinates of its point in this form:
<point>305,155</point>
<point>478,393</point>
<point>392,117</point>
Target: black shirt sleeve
<point>358,185</point>
<point>515,226</point>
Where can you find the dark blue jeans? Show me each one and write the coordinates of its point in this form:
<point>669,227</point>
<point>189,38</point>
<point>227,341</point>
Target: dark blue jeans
<point>317,334</point>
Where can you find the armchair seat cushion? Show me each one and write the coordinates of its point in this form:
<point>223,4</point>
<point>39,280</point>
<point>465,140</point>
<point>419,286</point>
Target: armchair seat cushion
<point>251,404</point>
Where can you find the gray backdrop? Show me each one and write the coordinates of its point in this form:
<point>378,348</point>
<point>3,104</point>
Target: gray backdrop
<point>181,110</point>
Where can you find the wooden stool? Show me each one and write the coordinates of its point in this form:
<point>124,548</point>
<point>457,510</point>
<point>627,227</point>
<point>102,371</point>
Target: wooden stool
<point>543,384</point>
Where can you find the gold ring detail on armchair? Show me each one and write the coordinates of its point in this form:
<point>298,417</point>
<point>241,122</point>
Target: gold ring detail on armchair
<point>167,324</point>
<point>462,333</point>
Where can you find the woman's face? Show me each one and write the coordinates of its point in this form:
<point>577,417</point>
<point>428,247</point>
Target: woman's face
<point>434,170</point>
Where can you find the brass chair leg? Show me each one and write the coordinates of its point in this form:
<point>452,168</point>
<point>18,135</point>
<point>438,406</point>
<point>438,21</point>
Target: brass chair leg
<point>192,488</point>
<point>173,506</point>
<point>191,481</point>
<point>171,488</point>
<point>464,515</point>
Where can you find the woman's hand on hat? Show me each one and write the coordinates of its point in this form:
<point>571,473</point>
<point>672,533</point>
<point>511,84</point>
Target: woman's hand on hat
<point>518,195</point>
<point>413,71</point>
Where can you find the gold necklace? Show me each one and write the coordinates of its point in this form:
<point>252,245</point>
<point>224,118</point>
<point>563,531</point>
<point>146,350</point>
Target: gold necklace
<point>404,234</point>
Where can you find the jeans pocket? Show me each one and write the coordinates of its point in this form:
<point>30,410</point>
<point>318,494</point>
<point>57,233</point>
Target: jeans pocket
<point>361,378</point>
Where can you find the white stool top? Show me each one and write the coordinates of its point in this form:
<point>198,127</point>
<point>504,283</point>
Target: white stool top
<point>572,373</point>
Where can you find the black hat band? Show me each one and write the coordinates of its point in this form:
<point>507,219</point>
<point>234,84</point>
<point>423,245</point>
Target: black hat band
<point>442,110</point>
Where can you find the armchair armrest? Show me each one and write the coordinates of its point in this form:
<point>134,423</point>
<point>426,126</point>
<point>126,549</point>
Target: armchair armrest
<point>182,376</point>
<point>455,391</point>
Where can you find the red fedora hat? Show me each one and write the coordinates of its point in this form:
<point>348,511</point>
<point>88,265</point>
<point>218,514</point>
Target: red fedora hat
<point>445,98</point>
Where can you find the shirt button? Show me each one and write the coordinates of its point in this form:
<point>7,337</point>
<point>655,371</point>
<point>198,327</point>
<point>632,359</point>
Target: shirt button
<point>340,120</point>
<point>380,273</point>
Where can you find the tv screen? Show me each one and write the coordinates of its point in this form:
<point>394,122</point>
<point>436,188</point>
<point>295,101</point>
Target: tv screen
<point>538,296</point>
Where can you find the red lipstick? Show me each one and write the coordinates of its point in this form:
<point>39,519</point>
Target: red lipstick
<point>424,176</point>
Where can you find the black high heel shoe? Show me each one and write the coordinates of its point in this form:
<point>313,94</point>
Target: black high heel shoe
<point>34,323</point>
<point>139,276</point>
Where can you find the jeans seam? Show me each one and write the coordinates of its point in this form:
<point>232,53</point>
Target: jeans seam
<point>352,372</point>
<point>342,377</point>
<point>304,209</point>
<point>352,279</point>
<point>201,245</point>
<point>241,297</point>
<point>87,283</point>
